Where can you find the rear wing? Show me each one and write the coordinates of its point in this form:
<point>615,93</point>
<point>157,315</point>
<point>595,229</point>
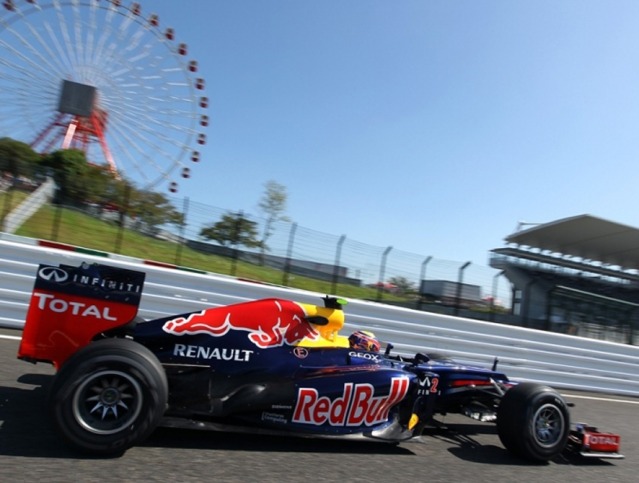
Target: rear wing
<point>70,305</point>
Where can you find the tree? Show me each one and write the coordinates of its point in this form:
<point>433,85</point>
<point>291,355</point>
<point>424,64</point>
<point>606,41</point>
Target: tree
<point>153,210</point>
<point>404,286</point>
<point>233,230</point>
<point>70,173</point>
<point>17,158</point>
<point>273,204</point>
<point>102,183</point>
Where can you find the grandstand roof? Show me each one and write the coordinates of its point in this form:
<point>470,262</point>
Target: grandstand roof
<point>586,237</point>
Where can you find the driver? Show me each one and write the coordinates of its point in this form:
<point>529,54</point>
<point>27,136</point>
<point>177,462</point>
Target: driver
<point>364,340</point>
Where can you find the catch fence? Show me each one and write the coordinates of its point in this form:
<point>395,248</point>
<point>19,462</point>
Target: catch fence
<point>335,262</point>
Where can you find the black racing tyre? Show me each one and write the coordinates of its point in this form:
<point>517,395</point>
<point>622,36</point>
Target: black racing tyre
<point>109,396</point>
<point>533,422</point>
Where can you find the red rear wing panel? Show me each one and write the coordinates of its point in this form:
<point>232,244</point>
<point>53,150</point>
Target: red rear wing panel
<point>70,305</point>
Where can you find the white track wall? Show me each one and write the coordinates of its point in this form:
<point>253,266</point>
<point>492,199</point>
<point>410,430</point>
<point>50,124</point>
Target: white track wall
<point>563,361</point>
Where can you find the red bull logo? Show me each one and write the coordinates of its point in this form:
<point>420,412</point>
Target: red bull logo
<point>270,322</point>
<point>358,405</point>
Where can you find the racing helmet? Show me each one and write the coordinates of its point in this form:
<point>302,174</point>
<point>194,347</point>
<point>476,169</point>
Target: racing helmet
<point>364,340</point>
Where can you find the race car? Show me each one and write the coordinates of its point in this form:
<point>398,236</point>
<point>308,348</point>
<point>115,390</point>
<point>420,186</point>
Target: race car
<point>270,366</point>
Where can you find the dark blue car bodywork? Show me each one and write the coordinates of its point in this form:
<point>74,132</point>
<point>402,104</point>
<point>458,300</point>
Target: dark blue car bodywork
<point>322,391</point>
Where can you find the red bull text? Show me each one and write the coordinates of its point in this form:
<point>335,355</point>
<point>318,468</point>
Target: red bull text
<point>357,406</point>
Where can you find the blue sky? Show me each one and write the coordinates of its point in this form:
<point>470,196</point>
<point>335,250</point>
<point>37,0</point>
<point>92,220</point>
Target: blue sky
<point>431,126</point>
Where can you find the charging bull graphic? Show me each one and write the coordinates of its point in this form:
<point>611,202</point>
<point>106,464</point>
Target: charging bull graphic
<point>270,322</point>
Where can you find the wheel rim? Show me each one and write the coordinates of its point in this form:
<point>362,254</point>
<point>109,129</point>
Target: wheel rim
<point>548,425</point>
<point>107,402</point>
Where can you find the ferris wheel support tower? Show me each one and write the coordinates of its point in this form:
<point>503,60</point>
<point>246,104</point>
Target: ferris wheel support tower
<point>78,123</point>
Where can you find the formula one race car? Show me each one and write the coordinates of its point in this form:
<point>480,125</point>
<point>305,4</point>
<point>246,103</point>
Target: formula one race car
<point>269,366</point>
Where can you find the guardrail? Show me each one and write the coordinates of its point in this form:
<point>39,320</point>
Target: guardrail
<point>562,361</point>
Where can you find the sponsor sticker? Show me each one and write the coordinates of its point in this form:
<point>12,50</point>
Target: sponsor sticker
<point>357,406</point>
<point>300,352</point>
<point>49,302</point>
<point>208,353</point>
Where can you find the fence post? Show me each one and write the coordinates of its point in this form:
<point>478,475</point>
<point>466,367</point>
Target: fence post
<point>56,221</point>
<point>289,253</point>
<point>122,214</point>
<point>459,286</point>
<point>338,254</point>
<point>492,302</point>
<point>382,269</point>
<point>181,241</point>
<point>422,276</point>
<point>239,219</point>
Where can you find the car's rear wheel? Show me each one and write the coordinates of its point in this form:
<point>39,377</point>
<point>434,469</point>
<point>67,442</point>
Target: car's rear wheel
<point>109,396</point>
<point>533,422</point>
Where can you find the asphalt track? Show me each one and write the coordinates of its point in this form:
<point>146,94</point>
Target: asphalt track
<point>463,452</point>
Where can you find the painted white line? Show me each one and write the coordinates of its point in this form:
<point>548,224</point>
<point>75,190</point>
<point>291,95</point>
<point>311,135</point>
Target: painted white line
<point>605,399</point>
<point>10,337</point>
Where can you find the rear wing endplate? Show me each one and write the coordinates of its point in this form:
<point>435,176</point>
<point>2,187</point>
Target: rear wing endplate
<point>70,305</point>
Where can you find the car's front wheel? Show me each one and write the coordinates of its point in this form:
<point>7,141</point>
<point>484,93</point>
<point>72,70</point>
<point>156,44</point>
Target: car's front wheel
<point>533,422</point>
<point>109,396</point>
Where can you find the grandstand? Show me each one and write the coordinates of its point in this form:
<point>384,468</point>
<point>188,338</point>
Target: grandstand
<point>577,275</point>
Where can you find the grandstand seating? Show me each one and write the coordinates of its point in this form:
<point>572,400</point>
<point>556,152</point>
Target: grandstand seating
<point>564,292</point>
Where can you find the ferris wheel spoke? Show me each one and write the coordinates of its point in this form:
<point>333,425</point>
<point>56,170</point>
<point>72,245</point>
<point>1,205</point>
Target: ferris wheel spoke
<point>144,54</point>
<point>50,58</point>
<point>42,61</point>
<point>66,37</point>
<point>137,129</point>
<point>150,138</point>
<point>136,38</point>
<point>78,33</point>
<point>131,61</point>
<point>105,34</point>
<point>62,54</point>
<point>21,54</point>
<point>92,27</point>
<point>126,23</point>
<point>143,155</point>
<point>106,47</point>
<point>121,37</point>
<point>150,122</point>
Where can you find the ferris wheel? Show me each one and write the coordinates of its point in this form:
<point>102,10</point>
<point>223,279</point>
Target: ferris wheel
<point>102,77</point>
